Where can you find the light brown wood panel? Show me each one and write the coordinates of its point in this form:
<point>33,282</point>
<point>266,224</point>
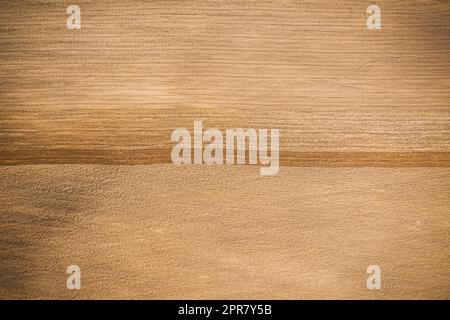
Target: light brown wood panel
<point>113,91</point>
<point>85,173</point>
<point>160,231</point>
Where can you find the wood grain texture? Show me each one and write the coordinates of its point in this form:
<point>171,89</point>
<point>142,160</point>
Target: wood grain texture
<point>113,91</point>
<point>162,231</point>
<point>85,173</point>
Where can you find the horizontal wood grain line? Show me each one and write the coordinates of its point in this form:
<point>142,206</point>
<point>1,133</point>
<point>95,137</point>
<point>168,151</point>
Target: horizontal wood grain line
<point>112,92</point>
<point>82,110</point>
<point>159,156</point>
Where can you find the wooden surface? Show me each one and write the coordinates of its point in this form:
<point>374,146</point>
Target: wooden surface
<point>85,123</point>
<point>193,232</point>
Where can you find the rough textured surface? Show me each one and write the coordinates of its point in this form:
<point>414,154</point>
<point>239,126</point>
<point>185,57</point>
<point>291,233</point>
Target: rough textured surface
<point>223,232</point>
<point>364,118</point>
